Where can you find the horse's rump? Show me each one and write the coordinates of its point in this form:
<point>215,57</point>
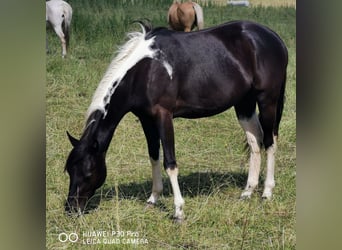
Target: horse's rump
<point>59,15</point>
<point>185,16</point>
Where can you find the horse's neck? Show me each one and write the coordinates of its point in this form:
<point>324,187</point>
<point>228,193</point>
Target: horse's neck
<point>96,131</point>
<point>107,129</point>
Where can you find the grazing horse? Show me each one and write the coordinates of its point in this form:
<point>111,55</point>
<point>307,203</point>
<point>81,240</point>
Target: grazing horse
<point>185,16</point>
<point>59,14</point>
<point>160,74</point>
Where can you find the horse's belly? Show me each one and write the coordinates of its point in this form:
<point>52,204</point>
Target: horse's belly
<point>194,114</point>
<point>209,99</point>
<point>198,110</point>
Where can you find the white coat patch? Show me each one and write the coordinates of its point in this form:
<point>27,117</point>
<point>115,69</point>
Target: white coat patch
<point>168,68</point>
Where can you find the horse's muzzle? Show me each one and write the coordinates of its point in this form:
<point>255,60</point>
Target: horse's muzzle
<point>74,205</point>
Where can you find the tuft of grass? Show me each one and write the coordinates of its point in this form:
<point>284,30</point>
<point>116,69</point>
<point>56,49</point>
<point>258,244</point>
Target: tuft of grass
<point>210,151</point>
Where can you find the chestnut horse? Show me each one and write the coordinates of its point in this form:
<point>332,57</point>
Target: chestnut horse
<point>161,74</point>
<point>185,16</point>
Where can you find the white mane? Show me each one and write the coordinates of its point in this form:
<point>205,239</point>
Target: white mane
<point>134,50</point>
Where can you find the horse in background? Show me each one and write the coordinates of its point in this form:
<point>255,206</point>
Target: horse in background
<point>59,14</point>
<point>185,16</point>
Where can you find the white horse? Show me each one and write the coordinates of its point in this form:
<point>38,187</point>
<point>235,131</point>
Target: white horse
<point>59,14</point>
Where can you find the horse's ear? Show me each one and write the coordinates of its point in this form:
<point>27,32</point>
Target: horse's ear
<point>145,23</point>
<point>73,140</point>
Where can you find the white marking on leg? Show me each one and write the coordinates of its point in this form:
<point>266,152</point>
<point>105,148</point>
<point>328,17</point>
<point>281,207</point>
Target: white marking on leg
<point>254,165</point>
<point>64,51</point>
<point>60,34</point>
<point>269,182</point>
<point>178,199</point>
<point>157,186</point>
<point>254,136</point>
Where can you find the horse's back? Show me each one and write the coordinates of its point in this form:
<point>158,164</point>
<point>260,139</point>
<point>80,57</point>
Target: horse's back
<point>214,68</point>
<point>234,46</point>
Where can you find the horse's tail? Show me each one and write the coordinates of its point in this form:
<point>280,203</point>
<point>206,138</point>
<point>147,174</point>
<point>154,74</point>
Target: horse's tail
<point>280,105</point>
<point>66,24</point>
<point>199,15</point>
<point>66,32</point>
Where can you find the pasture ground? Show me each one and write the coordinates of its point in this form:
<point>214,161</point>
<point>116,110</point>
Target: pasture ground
<point>210,151</point>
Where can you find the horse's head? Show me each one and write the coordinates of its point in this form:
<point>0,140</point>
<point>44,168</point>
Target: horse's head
<point>87,170</point>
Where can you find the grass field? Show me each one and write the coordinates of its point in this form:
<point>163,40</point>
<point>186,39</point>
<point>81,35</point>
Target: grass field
<point>210,151</point>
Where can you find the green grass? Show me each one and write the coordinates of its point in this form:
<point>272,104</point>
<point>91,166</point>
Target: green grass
<point>210,151</point>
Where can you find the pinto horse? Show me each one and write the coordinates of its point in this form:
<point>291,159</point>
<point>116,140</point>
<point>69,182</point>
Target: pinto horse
<point>160,74</point>
<point>185,16</point>
<point>59,14</point>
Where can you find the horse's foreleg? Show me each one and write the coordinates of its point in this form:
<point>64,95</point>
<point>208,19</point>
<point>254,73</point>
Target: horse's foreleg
<point>178,199</point>
<point>254,136</point>
<point>167,137</point>
<point>153,144</point>
<point>157,186</point>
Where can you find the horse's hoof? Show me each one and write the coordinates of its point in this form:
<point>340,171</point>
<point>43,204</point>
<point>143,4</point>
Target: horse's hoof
<point>149,205</point>
<point>266,197</point>
<point>246,195</point>
<point>178,221</point>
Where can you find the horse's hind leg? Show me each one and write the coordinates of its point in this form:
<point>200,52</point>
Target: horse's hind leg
<point>267,119</point>
<point>248,119</point>
<point>60,34</point>
<point>187,29</point>
<point>254,134</point>
<point>269,182</point>
<point>186,15</point>
<point>153,144</point>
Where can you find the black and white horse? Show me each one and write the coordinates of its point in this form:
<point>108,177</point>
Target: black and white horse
<point>59,15</point>
<point>161,74</point>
